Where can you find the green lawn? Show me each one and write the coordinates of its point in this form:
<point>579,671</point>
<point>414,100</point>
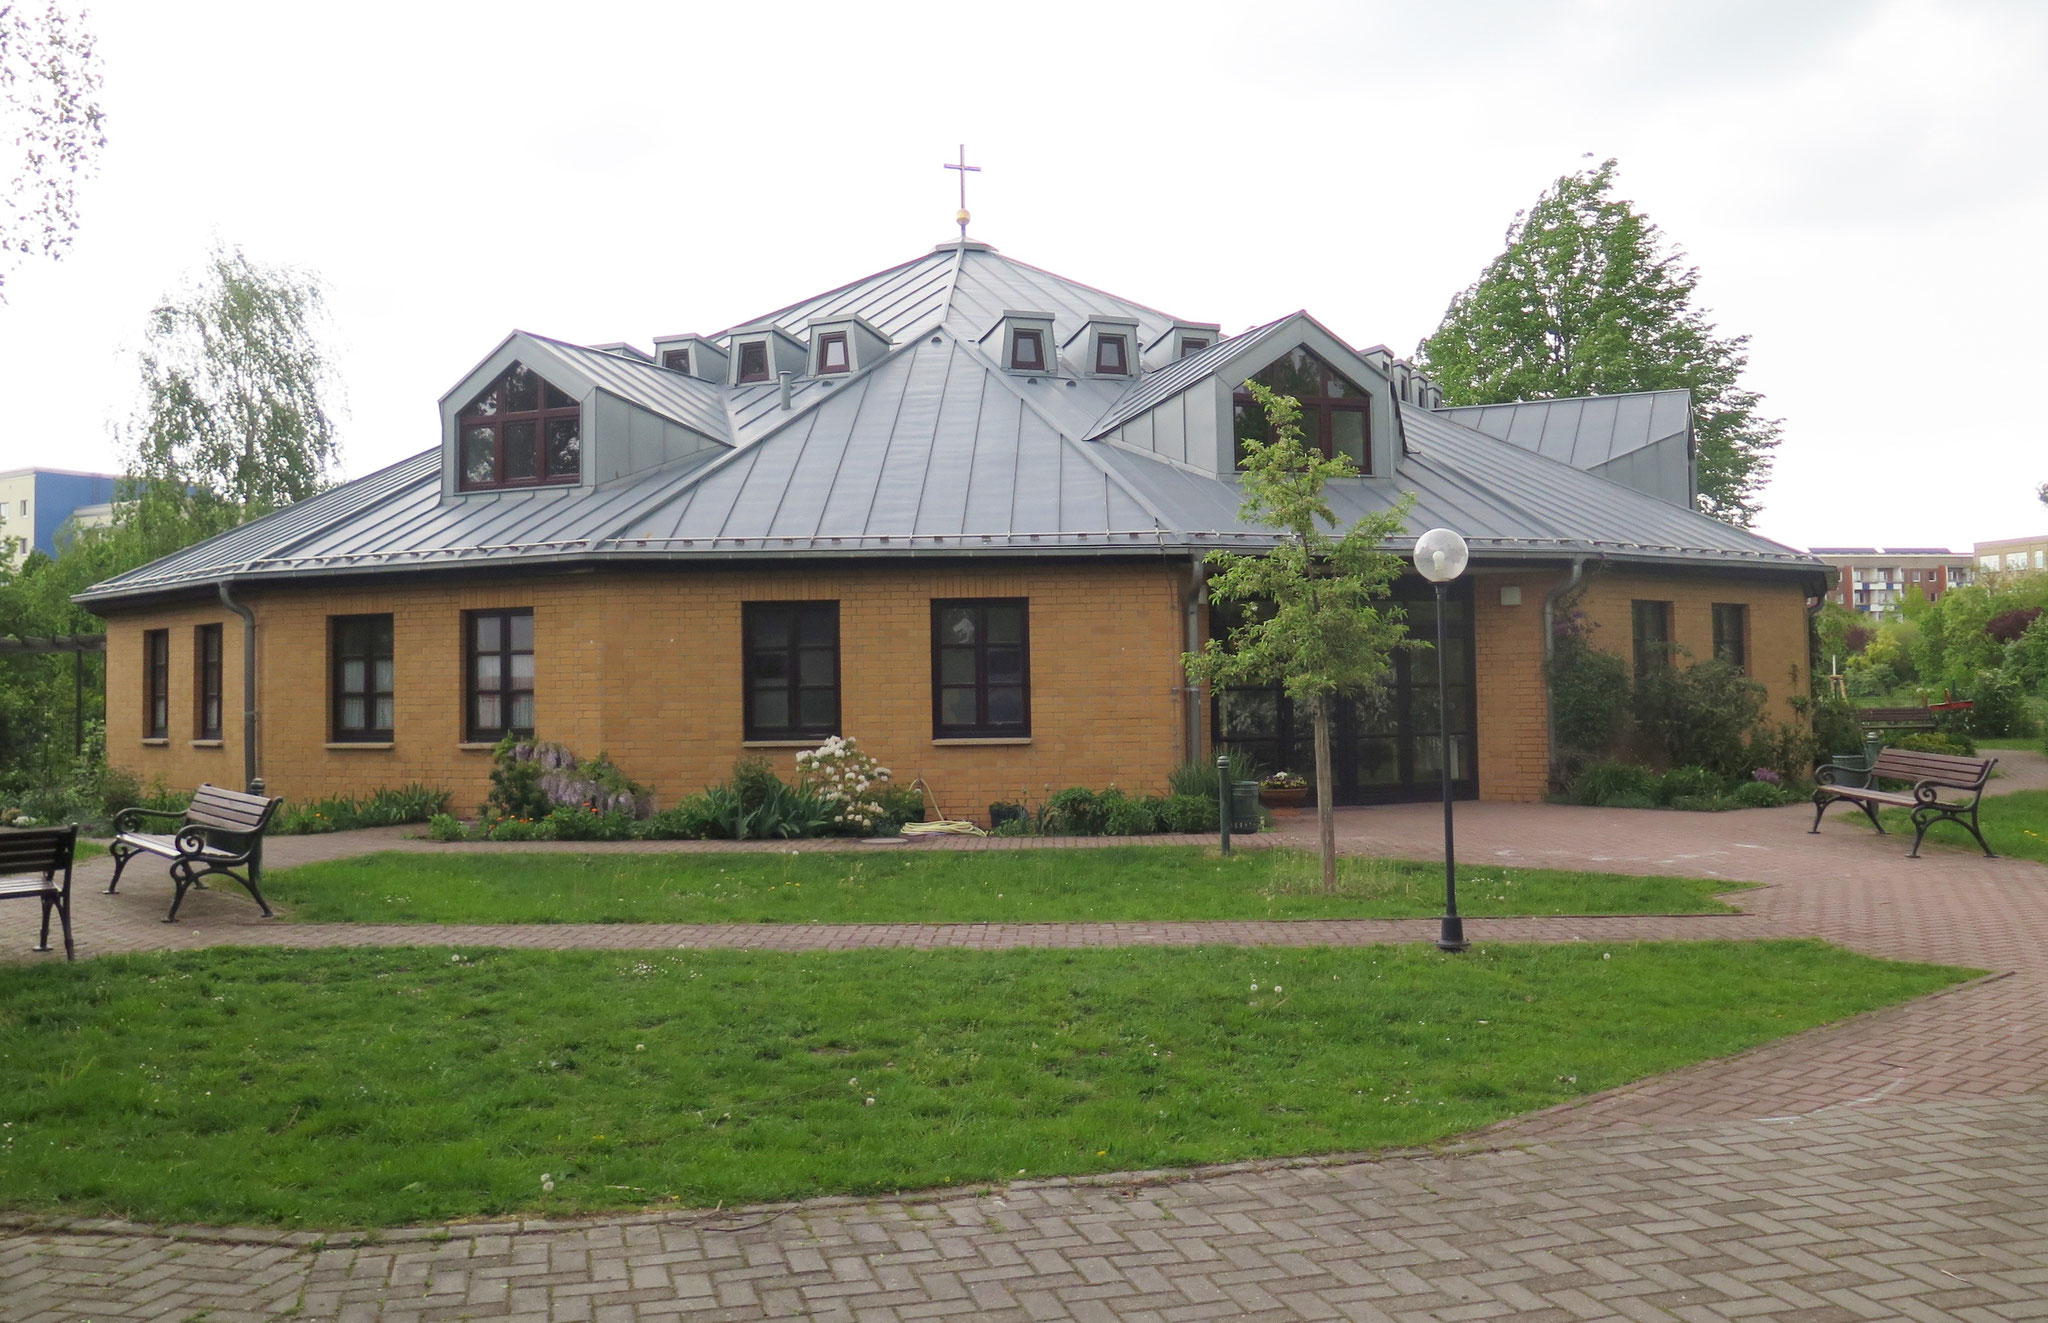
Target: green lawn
<point>2016,825</point>
<point>905,885</point>
<point>383,1086</point>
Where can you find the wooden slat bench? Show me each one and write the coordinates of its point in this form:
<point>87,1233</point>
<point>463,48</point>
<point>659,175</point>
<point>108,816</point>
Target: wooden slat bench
<point>30,860</point>
<point>220,832</point>
<point>1897,718</point>
<point>1932,776</point>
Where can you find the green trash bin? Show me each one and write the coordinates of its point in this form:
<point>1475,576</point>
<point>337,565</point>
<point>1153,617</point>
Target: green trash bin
<point>1244,806</point>
<point>1855,769</point>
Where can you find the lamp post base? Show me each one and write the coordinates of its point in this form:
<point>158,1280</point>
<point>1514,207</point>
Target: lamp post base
<point>1451,937</point>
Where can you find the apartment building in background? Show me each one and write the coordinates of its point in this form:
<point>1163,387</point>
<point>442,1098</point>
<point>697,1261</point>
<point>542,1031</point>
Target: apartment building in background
<point>2013,554</point>
<point>34,503</point>
<point>1874,580</point>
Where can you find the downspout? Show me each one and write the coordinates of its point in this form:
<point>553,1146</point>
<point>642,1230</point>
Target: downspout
<point>1550,601</point>
<point>1191,688</point>
<point>252,781</point>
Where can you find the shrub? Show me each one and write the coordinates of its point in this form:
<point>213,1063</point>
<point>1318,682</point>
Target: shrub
<point>1998,706</point>
<point>848,780</point>
<point>1075,811</point>
<point>1703,715</point>
<point>1629,800</point>
<point>1950,742</point>
<point>1585,685</point>
<point>1872,681</point>
<point>1189,813</point>
<point>1199,778</point>
<point>900,804</point>
<point>1681,782</point>
<point>1836,728</point>
<point>1602,782</point>
<point>442,827</point>
<point>2027,656</point>
<point>781,812</point>
<point>588,824</point>
<point>1761,794</point>
<point>1129,817</point>
<point>1018,826</point>
<point>2007,626</point>
<point>753,780</point>
<point>383,807</point>
<point>690,819</point>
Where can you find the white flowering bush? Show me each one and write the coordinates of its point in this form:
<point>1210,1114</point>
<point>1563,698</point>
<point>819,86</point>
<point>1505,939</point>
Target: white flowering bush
<point>845,778</point>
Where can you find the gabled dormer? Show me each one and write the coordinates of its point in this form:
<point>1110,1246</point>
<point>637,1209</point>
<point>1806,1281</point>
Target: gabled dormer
<point>541,415</point>
<point>844,345</point>
<point>691,355</point>
<point>1181,340</point>
<point>625,350</point>
<point>1103,347</point>
<point>761,354</point>
<point>1022,343</point>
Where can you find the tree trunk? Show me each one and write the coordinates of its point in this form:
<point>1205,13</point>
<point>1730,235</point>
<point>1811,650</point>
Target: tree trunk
<point>1326,812</point>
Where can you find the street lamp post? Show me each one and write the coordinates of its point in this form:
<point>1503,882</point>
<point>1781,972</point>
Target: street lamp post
<point>1440,557</point>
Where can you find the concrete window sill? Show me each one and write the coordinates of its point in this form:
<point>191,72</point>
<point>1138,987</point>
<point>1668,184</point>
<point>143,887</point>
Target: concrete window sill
<point>156,742</point>
<point>206,744</point>
<point>359,744</point>
<point>782,744</point>
<point>992,739</point>
<point>469,746</point>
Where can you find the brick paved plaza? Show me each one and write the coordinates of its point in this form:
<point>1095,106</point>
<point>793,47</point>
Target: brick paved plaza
<point>1893,1166</point>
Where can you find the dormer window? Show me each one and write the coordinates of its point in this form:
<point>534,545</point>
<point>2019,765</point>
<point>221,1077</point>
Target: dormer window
<point>832,355</point>
<point>1027,351</point>
<point>1192,345</point>
<point>1336,413</point>
<point>676,360</point>
<point>1112,356</point>
<point>753,362</point>
<point>1181,340</point>
<point>520,432</point>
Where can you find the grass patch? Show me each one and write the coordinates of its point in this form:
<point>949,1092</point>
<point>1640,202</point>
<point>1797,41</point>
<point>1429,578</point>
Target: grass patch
<point>2016,825</point>
<point>380,1086</point>
<point>943,886</point>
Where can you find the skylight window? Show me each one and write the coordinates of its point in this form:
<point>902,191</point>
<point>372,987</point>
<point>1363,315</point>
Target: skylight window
<point>520,432</point>
<point>832,356</point>
<point>676,360</point>
<point>1027,351</point>
<point>1112,355</point>
<point>753,362</point>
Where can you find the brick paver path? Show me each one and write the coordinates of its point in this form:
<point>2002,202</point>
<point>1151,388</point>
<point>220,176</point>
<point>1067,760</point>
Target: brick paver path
<point>1895,1166</point>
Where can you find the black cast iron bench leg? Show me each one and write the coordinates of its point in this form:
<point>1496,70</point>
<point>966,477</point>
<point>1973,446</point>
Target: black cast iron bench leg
<point>1922,824</point>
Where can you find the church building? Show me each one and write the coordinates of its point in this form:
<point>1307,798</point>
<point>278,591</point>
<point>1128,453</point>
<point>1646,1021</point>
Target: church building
<point>957,509</point>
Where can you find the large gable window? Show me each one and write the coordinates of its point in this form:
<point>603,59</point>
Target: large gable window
<point>1336,413</point>
<point>521,432</point>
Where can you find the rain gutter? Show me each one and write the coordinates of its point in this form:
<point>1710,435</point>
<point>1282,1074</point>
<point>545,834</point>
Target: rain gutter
<point>252,782</point>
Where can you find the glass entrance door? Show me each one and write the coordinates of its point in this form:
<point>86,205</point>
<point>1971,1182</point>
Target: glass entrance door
<point>1386,744</point>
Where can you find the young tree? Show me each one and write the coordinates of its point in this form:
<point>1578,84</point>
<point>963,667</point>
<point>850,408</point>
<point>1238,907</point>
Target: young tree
<point>1313,629</point>
<point>49,112</point>
<point>1588,299</point>
<point>234,420</point>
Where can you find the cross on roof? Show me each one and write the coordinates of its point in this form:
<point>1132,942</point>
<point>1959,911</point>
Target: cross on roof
<point>965,170</point>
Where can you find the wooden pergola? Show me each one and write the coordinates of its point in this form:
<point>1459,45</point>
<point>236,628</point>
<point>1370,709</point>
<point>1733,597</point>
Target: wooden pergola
<point>75,644</point>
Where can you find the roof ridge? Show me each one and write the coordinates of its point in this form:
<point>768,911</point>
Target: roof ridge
<point>821,295</point>
<point>1569,399</point>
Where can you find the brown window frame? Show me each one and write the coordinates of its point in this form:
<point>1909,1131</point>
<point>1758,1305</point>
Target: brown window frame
<point>981,727</point>
<point>1648,652</point>
<point>156,684</point>
<point>676,360</point>
<point>1037,338</point>
<point>1317,413</point>
<point>748,350</point>
<point>825,344</point>
<point>1192,345</point>
<point>1736,655</point>
<point>1123,354</point>
<point>754,639</point>
<point>499,420</point>
<point>475,732</point>
<point>343,647</point>
<point>206,689</point>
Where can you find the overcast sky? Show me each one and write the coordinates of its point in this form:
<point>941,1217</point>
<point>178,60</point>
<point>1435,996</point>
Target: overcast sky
<point>1861,185</point>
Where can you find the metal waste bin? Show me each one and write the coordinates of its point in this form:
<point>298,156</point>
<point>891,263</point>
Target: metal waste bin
<point>1244,806</point>
<point>1855,769</point>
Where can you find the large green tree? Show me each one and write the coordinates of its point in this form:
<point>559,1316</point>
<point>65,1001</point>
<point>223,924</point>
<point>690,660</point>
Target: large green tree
<point>1588,298</point>
<point>50,127</point>
<point>1314,622</point>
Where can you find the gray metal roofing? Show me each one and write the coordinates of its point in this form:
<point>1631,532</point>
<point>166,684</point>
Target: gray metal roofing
<point>1158,387</point>
<point>934,449</point>
<point>1584,433</point>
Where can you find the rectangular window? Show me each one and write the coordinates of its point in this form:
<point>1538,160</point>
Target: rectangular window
<point>498,673</point>
<point>981,668</point>
<point>832,353</point>
<point>753,362</point>
<point>792,659</point>
<point>206,693</point>
<point>676,360</point>
<point>1191,346</point>
<point>363,678</point>
<point>156,684</point>
<point>1731,634</point>
<point>1027,351</point>
<point>1110,359</point>
<point>1651,631</point>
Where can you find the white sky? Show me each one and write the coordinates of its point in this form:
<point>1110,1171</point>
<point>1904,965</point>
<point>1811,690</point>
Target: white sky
<point>1862,186</point>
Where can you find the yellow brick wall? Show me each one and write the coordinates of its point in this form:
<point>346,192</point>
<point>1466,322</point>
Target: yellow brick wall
<point>647,667</point>
<point>1514,705</point>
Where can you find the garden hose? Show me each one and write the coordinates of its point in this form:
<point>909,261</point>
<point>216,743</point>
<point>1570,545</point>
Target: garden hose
<point>939,824</point>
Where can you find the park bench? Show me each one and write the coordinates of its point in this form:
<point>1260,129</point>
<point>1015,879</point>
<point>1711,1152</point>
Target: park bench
<point>221,831</point>
<point>1940,783</point>
<point>1896,718</point>
<point>30,860</point>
